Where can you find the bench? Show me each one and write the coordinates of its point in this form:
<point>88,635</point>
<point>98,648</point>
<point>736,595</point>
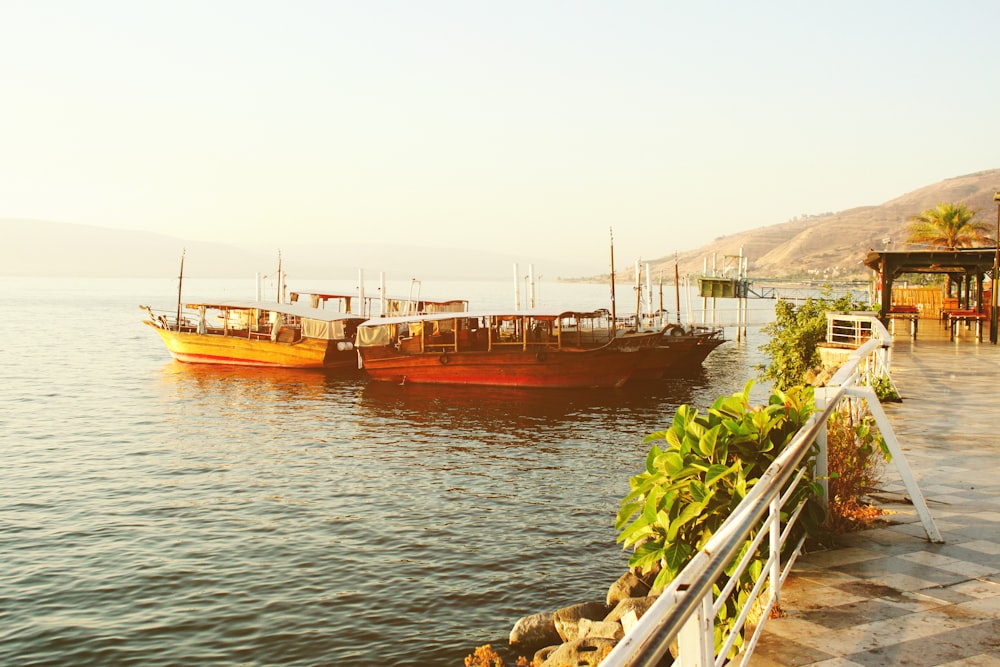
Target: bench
<point>956,317</point>
<point>911,313</point>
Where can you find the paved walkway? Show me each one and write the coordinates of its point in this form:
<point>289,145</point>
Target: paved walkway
<point>887,596</point>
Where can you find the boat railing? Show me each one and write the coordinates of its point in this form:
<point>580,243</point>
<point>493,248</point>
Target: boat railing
<point>681,622</point>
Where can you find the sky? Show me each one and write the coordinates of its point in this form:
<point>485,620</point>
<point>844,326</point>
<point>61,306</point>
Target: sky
<point>528,128</point>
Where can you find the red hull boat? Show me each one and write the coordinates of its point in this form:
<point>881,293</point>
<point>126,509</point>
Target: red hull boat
<point>567,349</point>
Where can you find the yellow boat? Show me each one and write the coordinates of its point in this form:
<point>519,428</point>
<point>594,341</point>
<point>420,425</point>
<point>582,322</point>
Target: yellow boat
<point>259,333</point>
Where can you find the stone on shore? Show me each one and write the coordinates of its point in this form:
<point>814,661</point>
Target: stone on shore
<point>534,632</point>
<point>581,653</point>
<point>567,620</point>
<point>587,629</point>
<point>639,605</point>
<point>628,586</point>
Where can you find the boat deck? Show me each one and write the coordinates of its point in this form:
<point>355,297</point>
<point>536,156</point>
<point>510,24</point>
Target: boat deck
<point>887,596</point>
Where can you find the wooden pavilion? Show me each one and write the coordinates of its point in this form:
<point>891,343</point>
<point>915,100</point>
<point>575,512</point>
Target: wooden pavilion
<point>967,269</point>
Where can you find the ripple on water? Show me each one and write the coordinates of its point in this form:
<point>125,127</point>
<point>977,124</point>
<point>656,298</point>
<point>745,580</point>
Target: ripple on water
<point>160,514</point>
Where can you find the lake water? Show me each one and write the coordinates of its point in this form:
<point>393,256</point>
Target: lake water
<point>155,513</point>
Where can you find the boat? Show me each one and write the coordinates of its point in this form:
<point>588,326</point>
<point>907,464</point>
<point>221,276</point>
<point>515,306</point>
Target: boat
<point>681,349</point>
<point>259,333</point>
<point>533,348</point>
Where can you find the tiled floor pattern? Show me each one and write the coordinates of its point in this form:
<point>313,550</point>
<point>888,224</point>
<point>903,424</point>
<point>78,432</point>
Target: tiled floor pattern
<point>887,596</point>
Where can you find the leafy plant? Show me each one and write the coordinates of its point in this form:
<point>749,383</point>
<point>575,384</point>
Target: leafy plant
<point>706,465</point>
<point>884,389</point>
<point>856,453</point>
<point>795,335</point>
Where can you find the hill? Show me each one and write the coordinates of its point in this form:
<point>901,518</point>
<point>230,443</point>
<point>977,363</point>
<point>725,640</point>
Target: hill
<point>832,245</point>
<point>45,248</point>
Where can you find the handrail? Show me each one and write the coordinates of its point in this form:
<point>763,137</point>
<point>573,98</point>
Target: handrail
<point>685,611</point>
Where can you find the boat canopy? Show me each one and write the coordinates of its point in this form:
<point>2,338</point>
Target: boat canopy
<point>396,306</point>
<point>319,299</point>
<point>535,314</point>
<point>300,310</point>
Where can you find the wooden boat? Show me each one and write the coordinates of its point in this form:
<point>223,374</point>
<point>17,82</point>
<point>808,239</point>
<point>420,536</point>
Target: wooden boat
<point>260,333</point>
<point>680,350</point>
<point>565,349</point>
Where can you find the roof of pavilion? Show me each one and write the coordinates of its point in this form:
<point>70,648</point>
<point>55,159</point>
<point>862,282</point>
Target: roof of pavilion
<point>961,260</point>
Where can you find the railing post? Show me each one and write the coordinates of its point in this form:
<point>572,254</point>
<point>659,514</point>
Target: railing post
<point>821,397</point>
<point>775,539</point>
<point>696,639</point>
<point>899,460</point>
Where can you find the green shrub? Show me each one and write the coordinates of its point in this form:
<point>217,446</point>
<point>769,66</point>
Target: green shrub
<point>856,454</point>
<point>795,335</point>
<point>703,466</point>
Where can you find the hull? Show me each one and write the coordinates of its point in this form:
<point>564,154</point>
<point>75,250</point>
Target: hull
<point>191,347</point>
<point>677,353</point>
<point>694,355</point>
<point>606,367</point>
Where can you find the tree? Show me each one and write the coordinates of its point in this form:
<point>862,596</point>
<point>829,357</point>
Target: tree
<point>795,335</point>
<point>948,226</point>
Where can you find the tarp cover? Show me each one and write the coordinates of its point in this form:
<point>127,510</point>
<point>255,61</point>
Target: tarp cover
<point>372,336</point>
<point>325,330</point>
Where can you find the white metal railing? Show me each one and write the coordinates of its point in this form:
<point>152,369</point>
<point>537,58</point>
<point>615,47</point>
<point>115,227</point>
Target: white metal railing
<point>851,329</point>
<point>684,614</point>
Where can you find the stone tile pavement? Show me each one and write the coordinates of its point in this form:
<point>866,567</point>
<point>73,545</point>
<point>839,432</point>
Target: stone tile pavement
<point>887,596</point>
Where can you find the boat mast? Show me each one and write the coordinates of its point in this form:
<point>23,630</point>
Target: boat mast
<point>531,285</point>
<point>661,317</point>
<point>180,283</point>
<point>280,277</point>
<point>382,303</point>
<point>638,293</point>
<point>613,316</point>
<point>649,295</point>
<point>517,288</point>
<point>363,305</point>
<point>677,288</point>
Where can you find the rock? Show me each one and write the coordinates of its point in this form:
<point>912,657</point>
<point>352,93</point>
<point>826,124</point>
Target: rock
<point>568,618</point>
<point>628,586</point>
<point>580,653</point>
<point>543,654</point>
<point>534,632</point>
<point>649,575</point>
<point>629,619</point>
<point>639,605</point>
<point>587,629</point>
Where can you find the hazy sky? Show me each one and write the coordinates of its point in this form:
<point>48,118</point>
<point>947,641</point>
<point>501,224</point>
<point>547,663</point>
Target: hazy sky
<point>522,127</point>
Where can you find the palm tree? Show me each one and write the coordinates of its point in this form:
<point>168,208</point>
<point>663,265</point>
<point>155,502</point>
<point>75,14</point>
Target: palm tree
<point>948,226</point>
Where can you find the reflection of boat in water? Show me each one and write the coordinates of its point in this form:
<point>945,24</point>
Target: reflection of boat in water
<point>259,333</point>
<point>533,348</point>
<point>508,416</point>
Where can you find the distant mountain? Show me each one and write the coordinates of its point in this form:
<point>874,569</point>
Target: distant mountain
<point>832,245</point>
<point>45,248</point>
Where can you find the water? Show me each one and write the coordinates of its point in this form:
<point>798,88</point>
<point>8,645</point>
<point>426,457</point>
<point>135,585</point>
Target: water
<point>155,513</point>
